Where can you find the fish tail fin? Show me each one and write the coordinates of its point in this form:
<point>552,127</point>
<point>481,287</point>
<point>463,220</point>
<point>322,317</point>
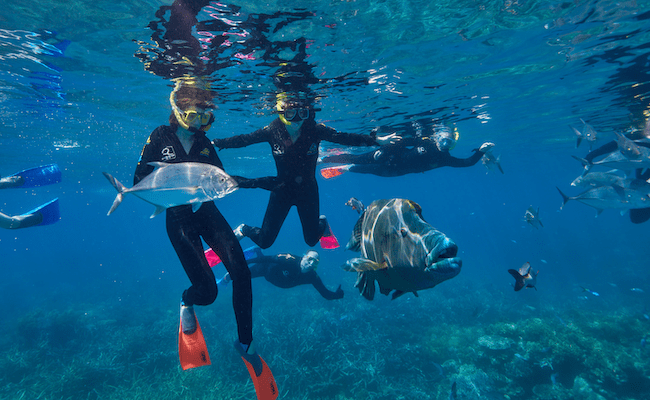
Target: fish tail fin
<point>519,280</point>
<point>565,198</point>
<point>120,191</point>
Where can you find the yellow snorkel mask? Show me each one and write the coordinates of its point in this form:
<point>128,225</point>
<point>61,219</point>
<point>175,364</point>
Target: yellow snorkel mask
<point>293,108</point>
<point>187,117</point>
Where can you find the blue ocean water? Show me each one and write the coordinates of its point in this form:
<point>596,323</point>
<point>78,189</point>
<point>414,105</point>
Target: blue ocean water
<point>91,301</point>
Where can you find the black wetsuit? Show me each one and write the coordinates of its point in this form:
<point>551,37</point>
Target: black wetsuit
<point>295,184</point>
<point>284,272</point>
<point>185,229</point>
<point>408,156</point>
<point>637,215</point>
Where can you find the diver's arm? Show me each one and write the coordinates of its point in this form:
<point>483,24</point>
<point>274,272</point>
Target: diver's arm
<point>320,287</point>
<point>269,183</point>
<point>349,139</point>
<point>233,142</point>
<point>454,162</point>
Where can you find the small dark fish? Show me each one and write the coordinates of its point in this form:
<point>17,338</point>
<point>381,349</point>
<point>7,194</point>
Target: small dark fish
<point>356,205</point>
<point>453,395</point>
<point>524,277</point>
<point>590,291</point>
<point>643,341</point>
<point>588,133</point>
<point>532,217</point>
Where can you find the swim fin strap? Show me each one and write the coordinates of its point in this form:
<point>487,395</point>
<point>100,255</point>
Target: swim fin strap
<point>49,211</point>
<point>328,241</point>
<point>40,176</point>
<point>192,349</point>
<point>265,386</point>
<point>250,254</point>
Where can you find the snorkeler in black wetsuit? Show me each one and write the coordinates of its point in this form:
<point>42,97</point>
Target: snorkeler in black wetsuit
<point>287,271</point>
<point>184,140</point>
<point>637,215</point>
<point>410,155</point>
<point>294,138</point>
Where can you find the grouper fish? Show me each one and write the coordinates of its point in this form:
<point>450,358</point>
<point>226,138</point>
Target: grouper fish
<point>399,250</point>
<point>171,185</point>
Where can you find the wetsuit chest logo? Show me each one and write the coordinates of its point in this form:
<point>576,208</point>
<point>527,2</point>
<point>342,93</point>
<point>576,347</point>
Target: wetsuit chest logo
<point>277,149</point>
<point>168,153</point>
<point>313,149</point>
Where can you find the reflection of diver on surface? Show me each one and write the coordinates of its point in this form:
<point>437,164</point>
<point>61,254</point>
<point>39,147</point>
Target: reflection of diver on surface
<point>287,271</point>
<point>637,215</point>
<point>406,156</point>
<point>45,214</point>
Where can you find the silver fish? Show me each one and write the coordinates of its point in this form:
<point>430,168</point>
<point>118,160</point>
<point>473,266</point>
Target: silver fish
<point>588,133</point>
<point>596,179</point>
<point>606,197</point>
<point>616,160</point>
<point>491,162</point>
<point>171,185</point>
<point>532,217</point>
<point>630,149</point>
<point>399,250</point>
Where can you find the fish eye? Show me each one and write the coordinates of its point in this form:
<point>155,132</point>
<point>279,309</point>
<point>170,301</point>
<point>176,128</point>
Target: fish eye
<point>404,232</point>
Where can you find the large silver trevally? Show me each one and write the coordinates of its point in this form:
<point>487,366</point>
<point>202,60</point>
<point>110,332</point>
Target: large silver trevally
<point>399,250</point>
<point>614,197</point>
<point>616,160</point>
<point>596,179</point>
<point>171,185</point>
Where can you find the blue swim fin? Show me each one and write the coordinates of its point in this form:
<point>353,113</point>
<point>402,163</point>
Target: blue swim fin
<point>250,254</point>
<point>49,211</point>
<point>39,176</point>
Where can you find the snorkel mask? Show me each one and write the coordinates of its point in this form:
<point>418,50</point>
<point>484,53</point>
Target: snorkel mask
<point>187,117</point>
<point>445,138</point>
<point>296,108</point>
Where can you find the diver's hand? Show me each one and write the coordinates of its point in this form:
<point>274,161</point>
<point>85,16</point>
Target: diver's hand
<point>485,147</point>
<point>391,138</point>
<point>339,293</point>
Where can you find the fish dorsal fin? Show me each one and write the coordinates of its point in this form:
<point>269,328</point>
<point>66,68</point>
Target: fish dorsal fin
<point>362,265</point>
<point>196,206</point>
<point>157,164</point>
<point>357,235</point>
<point>157,211</point>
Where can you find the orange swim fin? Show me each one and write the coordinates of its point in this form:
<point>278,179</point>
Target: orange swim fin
<point>328,241</point>
<point>265,386</point>
<point>192,350</point>
<point>331,172</point>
